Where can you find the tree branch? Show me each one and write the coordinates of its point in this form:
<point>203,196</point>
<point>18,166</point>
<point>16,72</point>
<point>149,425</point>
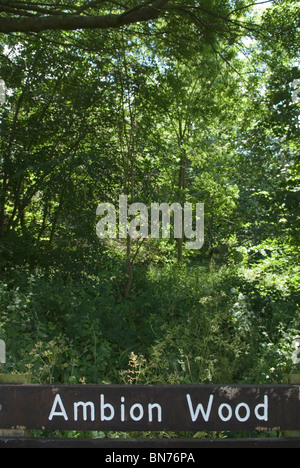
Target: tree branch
<point>72,22</point>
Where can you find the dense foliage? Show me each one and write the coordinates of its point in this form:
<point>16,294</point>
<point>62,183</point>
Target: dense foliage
<point>146,110</point>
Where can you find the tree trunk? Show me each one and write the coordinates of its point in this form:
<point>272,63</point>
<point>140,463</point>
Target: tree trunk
<point>129,268</point>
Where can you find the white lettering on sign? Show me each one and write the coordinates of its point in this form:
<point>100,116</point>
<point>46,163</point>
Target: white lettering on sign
<point>135,411</point>
<point>205,414</point>
<point>103,407</point>
<point>225,411</point>
<point>107,411</point>
<point>62,412</point>
<point>84,405</point>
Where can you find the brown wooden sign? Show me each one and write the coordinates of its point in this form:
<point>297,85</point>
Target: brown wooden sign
<point>155,408</point>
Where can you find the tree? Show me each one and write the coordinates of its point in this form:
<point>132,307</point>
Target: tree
<point>47,128</point>
<point>269,132</point>
<point>133,122</point>
<point>206,18</point>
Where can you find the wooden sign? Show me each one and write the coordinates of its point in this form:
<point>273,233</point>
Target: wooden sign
<point>155,408</point>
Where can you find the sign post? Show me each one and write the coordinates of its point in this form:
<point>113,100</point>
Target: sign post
<point>293,379</point>
<point>10,379</point>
